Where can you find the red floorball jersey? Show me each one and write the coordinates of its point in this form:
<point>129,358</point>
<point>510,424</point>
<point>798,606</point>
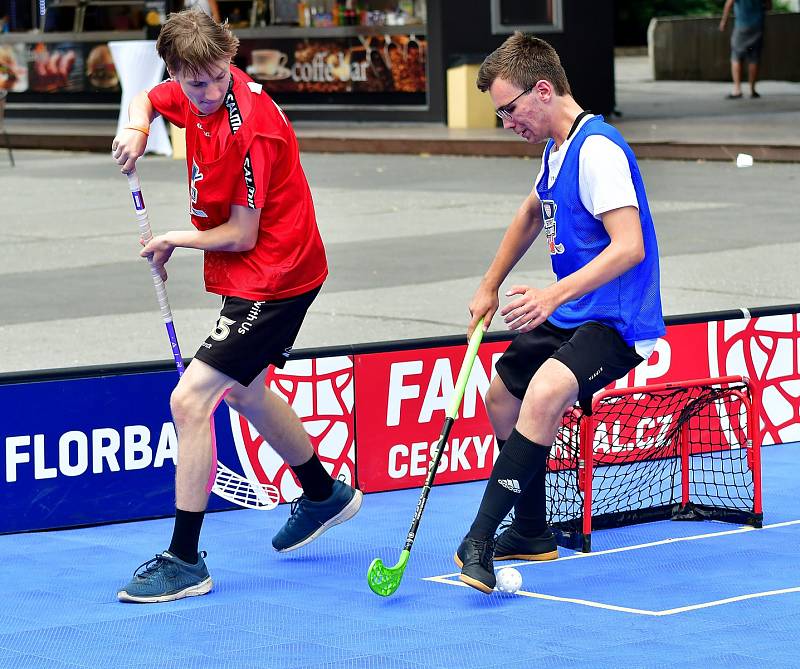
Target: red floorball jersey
<point>246,154</point>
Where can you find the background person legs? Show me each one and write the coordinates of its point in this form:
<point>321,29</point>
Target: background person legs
<point>736,76</point>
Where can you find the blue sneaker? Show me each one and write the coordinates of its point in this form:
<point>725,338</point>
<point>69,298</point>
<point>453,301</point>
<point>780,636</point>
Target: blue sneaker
<point>310,519</point>
<point>166,578</point>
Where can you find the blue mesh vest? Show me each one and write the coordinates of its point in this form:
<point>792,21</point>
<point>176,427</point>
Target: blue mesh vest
<point>631,303</point>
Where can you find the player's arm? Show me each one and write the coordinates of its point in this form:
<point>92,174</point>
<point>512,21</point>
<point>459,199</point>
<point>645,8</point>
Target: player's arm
<point>524,228</point>
<point>131,141</point>
<point>240,232</point>
<point>625,250</point>
<point>237,235</point>
<point>726,12</point>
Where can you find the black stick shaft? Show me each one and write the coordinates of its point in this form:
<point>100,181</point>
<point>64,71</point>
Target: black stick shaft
<point>450,417</point>
<point>426,488</point>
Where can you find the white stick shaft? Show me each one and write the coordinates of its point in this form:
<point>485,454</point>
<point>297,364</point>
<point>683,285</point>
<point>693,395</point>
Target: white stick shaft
<point>147,234</point>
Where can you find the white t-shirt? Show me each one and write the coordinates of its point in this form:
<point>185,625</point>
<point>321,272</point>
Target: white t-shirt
<point>604,183</point>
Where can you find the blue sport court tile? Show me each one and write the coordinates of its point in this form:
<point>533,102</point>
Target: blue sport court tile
<point>169,633</point>
<point>289,655</point>
<point>145,661</point>
<point>284,622</point>
<point>366,662</point>
<point>68,645</point>
<point>22,661</point>
<point>312,609</point>
<point>474,652</point>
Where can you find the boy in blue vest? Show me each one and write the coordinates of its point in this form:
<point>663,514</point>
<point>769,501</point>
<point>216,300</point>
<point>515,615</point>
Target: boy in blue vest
<point>599,320</point>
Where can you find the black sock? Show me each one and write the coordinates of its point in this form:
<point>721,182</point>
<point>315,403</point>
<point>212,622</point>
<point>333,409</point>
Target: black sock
<point>316,483</point>
<point>517,464</point>
<point>186,535</point>
<point>530,511</point>
<point>500,443</point>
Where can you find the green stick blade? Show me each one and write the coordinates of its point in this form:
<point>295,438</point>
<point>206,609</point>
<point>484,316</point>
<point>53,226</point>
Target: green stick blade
<point>384,580</point>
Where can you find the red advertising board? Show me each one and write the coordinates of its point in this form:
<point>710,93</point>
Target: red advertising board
<point>320,390</point>
<point>378,415</point>
<point>402,397</point>
<point>766,350</point>
<point>371,417</point>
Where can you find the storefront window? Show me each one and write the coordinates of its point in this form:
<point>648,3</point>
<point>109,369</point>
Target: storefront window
<point>60,18</point>
<point>119,16</point>
<point>530,16</point>
<point>342,55</point>
<point>17,15</point>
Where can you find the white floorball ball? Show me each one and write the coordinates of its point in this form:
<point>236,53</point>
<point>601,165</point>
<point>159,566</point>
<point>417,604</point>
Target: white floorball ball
<point>509,580</point>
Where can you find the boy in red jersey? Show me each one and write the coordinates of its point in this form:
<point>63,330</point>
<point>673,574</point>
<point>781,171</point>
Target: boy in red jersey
<point>251,206</point>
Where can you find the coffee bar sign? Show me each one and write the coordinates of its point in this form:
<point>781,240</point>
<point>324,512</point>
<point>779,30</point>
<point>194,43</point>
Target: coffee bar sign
<point>270,65</point>
<point>371,63</point>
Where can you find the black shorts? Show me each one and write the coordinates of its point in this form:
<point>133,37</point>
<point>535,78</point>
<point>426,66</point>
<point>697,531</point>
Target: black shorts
<point>249,336</point>
<point>595,353</point>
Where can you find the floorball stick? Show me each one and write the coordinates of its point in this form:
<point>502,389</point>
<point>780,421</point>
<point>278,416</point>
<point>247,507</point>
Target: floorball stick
<point>161,290</point>
<point>262,496</point>
<point>385,580</point>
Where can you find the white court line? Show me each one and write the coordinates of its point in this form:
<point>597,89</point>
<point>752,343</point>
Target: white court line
<point>623,549</point>
<point>644,612</point>
<point>627,609</point>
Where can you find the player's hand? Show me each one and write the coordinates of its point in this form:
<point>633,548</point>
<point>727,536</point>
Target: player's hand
<point>158,251</point>
<point>530,309</point>
<point>484,305</point>
<point>128,146</point>
<point>722,26</point>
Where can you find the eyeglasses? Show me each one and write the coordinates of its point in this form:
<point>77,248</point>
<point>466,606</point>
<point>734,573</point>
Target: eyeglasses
<point>507,109</point>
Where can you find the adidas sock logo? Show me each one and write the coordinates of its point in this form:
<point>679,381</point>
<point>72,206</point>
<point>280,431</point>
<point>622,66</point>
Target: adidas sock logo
<point>510,484</point>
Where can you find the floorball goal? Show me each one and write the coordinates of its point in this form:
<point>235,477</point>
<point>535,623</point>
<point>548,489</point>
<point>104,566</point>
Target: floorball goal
<point>683,451</point>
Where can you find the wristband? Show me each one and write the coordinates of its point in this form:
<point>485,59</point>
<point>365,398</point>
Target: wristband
<point>140,128</point>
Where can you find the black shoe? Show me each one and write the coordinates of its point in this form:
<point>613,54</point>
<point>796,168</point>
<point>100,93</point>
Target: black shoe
<point>511,545</point>
<point>474,557</point>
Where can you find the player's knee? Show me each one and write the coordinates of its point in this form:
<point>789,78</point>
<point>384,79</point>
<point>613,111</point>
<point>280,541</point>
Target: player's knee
<point>244,399</point>
<point>502,408</point>
<point>239,400</point>
<point>497,401</point>
<point>492,401</point>
<point>185,408</point>
<point>546,403</point>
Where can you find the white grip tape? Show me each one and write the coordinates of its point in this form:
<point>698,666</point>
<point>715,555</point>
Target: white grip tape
<point>161,295</point>
<point>144,226</point>
<point>141,208</point>
<point>147,234</point>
